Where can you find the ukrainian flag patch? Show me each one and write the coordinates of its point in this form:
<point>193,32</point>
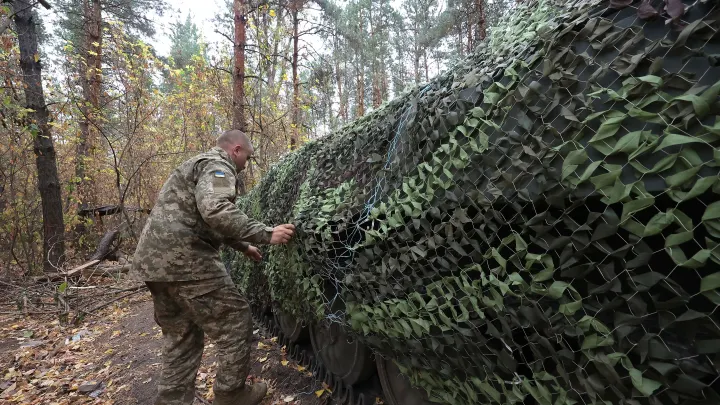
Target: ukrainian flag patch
<point>219,173</point>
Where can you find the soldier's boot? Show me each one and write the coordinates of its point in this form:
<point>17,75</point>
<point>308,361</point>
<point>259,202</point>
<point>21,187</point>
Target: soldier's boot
<point>247,395</point>
<point>176,396</point>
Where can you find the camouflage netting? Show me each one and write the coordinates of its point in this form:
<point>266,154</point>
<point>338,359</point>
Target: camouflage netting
<point>540,224</point>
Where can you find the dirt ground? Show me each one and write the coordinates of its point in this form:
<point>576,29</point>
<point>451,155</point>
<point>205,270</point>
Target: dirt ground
<point>113,357</point>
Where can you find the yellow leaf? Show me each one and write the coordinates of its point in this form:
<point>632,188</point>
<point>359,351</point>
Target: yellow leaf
<point>37,57</point>
<point>263,360</point>
<point>300,368</point>
<point>261,345</point>
<point>272,13</point>
<point>319,393</point>
<point>284,363</point>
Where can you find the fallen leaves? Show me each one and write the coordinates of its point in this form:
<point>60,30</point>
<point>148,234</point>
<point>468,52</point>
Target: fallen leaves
<point>89,363</point>
<point>54,364</point>
<point>325,388</point>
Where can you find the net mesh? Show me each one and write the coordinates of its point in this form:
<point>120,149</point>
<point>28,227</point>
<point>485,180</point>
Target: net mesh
<point>539,224</point>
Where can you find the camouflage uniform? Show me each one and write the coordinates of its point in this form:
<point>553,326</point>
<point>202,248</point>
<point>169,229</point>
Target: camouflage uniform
<point>178,257</point>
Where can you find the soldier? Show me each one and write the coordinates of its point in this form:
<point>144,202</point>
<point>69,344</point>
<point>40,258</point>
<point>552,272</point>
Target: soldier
<point>178,257</point>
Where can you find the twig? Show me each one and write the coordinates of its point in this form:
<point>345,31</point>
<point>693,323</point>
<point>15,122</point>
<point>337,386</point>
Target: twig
<point>140,287</point>
<point>29,312</point>
<point>82,313</point>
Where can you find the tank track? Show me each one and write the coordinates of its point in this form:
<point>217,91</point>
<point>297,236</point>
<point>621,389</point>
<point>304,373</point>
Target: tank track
<point>366,393</point>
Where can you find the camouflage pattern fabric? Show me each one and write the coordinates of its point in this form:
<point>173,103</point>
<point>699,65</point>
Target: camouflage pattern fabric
<point>186,311</point>
<point>178,256</point>
<point>194,215</point>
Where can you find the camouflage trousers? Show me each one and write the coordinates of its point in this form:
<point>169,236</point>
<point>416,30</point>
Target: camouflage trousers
<point>188,310</point>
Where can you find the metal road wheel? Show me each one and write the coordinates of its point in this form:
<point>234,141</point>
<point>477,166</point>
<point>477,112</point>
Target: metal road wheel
<point>396,386</point>
<point>347,359</point>
<point>291,327</point>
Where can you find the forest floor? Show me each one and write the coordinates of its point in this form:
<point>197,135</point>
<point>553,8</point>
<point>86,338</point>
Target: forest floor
<point>113,356</point>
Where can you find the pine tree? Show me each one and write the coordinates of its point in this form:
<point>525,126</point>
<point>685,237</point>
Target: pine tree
<point>184,42</point>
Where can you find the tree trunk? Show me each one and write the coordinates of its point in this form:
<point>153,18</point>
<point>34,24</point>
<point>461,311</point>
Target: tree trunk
<point>470,46</point>
<point>385,86</point>
<point>48,179</point>
<point>416,53</point>
<point>460,44</point>
<point>425,59</point>
<point>295,137</point>
<point>374,71</point>
<point>480,31</point>
<point>360,91</point>
<point>91,86</point>
<point>338,79</point>
<point>239,70</point>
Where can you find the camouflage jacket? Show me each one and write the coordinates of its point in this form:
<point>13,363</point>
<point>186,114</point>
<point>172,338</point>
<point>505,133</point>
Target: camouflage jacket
<point>195,214</point>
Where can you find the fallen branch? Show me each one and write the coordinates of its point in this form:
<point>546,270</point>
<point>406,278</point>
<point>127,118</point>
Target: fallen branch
<point>107,271</point>
<point>139,287</point>
<point>29,312</point>
<point>81,313</point>
<point>62,275</point>
<point>105,247</point>
<point>81,268</point>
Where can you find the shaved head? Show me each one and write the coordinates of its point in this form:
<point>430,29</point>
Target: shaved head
<point>237,145</point>
<point>229,139</point>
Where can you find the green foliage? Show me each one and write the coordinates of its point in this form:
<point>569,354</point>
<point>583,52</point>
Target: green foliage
<point>539,224</point>
<point>185,42</point>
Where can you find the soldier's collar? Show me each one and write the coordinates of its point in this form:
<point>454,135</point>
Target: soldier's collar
<point>223,155</point>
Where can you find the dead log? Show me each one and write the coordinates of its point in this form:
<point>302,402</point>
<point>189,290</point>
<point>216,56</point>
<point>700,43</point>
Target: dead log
<point>107,270</point>
<point>105,247</point>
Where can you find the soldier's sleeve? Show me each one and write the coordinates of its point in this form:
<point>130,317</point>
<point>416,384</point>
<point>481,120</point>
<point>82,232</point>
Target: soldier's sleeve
<point>241,246</point>
<point>214,193</point>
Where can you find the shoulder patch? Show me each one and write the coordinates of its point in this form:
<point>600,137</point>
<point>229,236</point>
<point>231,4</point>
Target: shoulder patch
<point>219,173</point>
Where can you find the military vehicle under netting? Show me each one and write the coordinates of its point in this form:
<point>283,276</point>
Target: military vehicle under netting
<point>537,225</point>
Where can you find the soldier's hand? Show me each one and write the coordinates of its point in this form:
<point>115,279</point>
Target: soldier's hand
<point>253,253</point>
<point>282,234</point>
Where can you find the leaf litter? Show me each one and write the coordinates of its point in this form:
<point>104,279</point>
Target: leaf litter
<point>114,357</point>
